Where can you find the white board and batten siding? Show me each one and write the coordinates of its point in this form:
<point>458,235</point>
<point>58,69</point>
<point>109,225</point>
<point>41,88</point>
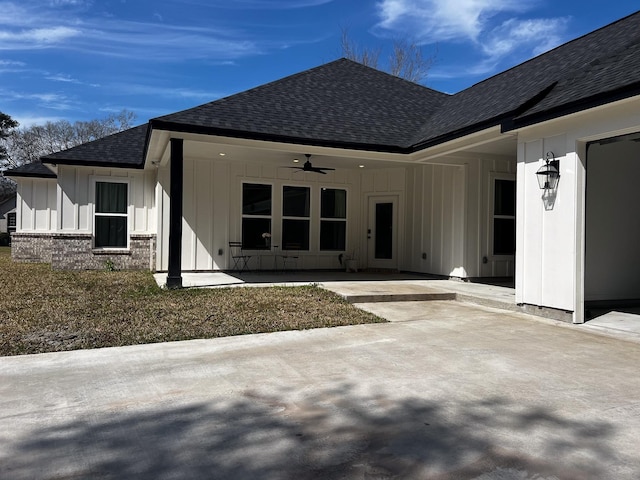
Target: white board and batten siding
<point>212,212</point>
<point>449,222</point>
<point>36,206</point>
<point>66,205</point>
<point>550,255</point>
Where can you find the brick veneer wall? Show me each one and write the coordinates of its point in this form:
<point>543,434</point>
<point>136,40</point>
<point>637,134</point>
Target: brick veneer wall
<point>76,252</point>
<point>31,247</point>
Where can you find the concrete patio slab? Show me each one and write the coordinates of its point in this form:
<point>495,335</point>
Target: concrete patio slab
<point>462,392</point>
<point>371,287</point>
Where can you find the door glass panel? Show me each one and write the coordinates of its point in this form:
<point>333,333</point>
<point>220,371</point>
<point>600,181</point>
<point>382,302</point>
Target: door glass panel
<point>504,236</point>
<point>504,197</point>
<point>384,231</point>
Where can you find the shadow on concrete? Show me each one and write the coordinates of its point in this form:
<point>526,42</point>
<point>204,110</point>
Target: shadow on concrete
<point>594,311</point>
<point>325,435</point>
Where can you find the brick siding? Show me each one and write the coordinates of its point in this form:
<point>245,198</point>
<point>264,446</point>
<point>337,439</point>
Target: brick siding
<point>76,252</point>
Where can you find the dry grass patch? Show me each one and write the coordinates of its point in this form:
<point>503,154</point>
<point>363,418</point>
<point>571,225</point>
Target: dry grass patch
<point>42,310</point>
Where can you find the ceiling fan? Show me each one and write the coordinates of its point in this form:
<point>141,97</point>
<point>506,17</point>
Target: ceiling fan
<point>307,167</point>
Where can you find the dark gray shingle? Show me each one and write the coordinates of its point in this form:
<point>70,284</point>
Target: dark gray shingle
<point>345,104</point>
<point>34,169</point>
<point>341,103</point>
<point>123,150</point>
<point>509,93</point>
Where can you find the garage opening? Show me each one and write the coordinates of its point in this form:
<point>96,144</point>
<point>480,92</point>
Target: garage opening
<point>612,228</point>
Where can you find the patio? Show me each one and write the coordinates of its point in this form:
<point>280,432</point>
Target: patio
<point>367,288</point>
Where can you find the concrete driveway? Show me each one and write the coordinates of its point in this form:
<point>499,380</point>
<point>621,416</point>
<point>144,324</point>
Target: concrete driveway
<point>453,392</point>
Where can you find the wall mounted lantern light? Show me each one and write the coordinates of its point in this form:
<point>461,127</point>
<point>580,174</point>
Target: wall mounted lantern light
<point>549,174</point>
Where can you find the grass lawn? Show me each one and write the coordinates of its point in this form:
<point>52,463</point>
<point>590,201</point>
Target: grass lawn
<point>42,310</point>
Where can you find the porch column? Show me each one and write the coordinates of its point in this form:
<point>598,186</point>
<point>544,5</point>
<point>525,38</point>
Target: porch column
<point>174,277</point>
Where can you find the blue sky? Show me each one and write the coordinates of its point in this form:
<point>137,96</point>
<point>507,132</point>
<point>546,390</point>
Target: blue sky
<point>85,59</point>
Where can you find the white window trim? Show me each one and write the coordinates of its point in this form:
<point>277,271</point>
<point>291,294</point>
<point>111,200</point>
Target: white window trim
<point>289,217</point>
<point>493,176</point>
<point>129,214</point>
<point>345,219</point>
<point>269,217</point>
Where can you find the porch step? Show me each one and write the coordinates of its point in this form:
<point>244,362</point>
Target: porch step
<point>398,297</point>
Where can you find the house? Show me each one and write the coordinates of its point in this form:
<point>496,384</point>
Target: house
<point>529,174</point>
<point>7,219</point>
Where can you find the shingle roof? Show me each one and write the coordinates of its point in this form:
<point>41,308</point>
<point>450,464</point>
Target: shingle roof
<point>347,105</point>
<point>595,64</point>
<point>341,103</point>
<point>604,79</point>
<point>123,149</point>
<point>35,169</point>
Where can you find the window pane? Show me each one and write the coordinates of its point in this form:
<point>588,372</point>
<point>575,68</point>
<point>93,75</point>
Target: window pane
<point>295,234</point>
<point>256,199</point>
<point>504,236</point>
<point>504,197</point>
<point>111,197</point>
<point>252,230</point>
<point>111,232</point>
<point>333,203</point>
<point>295,201</point>
<point>11,219</point>
<point>333,235</point>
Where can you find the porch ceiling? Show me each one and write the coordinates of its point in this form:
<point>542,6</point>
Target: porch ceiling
<point>283,154</point>
<point>277,154</point>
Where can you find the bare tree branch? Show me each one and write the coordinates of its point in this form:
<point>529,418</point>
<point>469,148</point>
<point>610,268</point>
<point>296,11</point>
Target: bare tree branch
<point>406,60</point>
<point>351,50</point>
<point>28,144</point>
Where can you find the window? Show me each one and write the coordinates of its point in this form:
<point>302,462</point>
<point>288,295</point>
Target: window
<point>256,215</point>
<point>11,222</point>
<point>504,217</point>
<point>296,205</point>
<point>111,215</point>
<point>333,219</point>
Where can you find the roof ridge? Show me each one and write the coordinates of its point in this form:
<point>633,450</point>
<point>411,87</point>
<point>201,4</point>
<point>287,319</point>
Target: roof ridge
<point>305,73</point>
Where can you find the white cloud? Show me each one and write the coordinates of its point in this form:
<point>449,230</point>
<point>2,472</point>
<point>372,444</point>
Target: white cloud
<point>166,92</point>
<point>473,22</point>
<point>12,63</point>
<point>27,119</point>
<point>72,27</point>
<point>60,77</point>
<point>64,3</point>
<point>264,4</point>
<point>431,21</point>
<point>35,38</point>
<point>52,101</point>
<point>537,35</point>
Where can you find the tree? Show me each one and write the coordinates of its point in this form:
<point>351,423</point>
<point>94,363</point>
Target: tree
<point>19,146</point>
<point>28,144</point>
<point>406,60</point>
<point>7,124</point>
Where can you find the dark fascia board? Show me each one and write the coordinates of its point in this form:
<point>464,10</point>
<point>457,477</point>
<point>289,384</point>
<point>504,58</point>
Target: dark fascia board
<point>89,163</point>
<point>31,175</point>
<point>456,134</point>
<point>197,129</point>
<point>147,142</point>
<point>597,100</point>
